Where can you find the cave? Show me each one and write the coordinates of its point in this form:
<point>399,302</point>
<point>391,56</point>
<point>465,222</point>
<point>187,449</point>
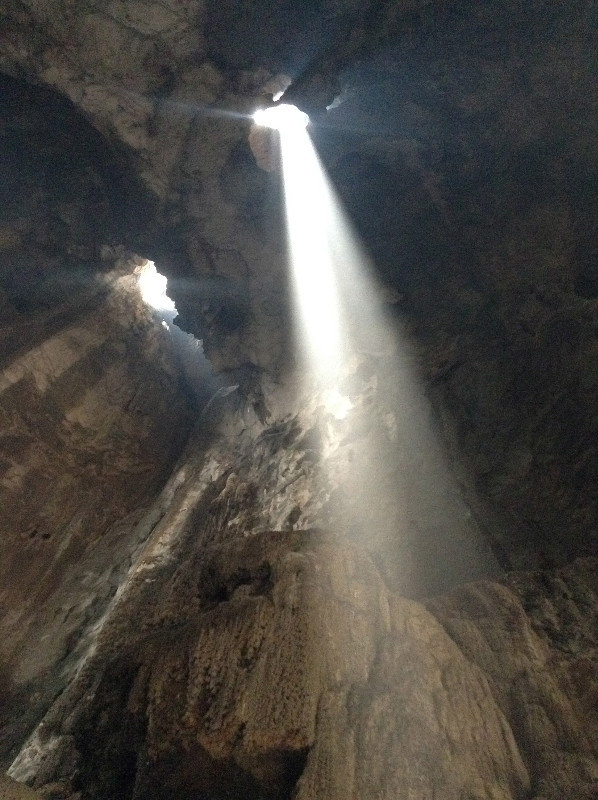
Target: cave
<point>298,400</point>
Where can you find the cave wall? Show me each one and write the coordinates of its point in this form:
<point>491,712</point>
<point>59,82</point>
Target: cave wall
<point>93,404</point>
<point>241,661</point>
<point>280,665</point>
<point>93,417</point>
<point>471,133</point>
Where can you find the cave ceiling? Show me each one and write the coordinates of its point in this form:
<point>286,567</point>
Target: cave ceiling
<point>462,139</point>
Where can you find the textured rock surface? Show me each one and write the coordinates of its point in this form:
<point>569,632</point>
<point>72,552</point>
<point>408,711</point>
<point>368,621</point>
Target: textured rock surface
<point>281,663</point>
<point>92,418</point>
<point>240,662</point>
<point>11,790</point>
<point>477,196</point>
<point>465,147</point>
<point>535,638</point>
<point>93,410</point>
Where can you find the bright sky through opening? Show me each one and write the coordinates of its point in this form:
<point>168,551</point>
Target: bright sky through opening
<point>152,286</point>
<point>282,118</point>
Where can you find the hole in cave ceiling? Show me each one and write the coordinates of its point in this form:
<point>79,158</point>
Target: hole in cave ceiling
<point>203,385</point>
<point>153,287</point>
<point>65,193</point>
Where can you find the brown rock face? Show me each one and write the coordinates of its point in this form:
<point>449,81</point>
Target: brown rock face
<point>534,636</point>
<point>11,790</point>
<point>463,142</point>
<point>281,665</point>
<point>91,421</point>
<point>92,406</point>
<point>240,662</point>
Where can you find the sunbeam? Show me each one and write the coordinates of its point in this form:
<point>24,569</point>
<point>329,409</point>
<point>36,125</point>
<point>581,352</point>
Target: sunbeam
<point>313,269</point>
<point>334,293</point>
<point>381,460</point>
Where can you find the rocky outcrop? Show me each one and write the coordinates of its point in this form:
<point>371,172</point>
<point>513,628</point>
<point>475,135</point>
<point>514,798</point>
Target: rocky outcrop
<point>281,665</point>
<point>93,416</point>
<point>237,661</point>
<point>535,637</point>
<point>93,404</point>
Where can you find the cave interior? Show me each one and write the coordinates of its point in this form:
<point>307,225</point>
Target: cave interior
<point>321,522</point>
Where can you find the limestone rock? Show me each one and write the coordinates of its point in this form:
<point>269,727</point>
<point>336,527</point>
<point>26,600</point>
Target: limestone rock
<point>471,184</point>
<point>536,639</point>
<point>11,790</point>
<point>84,449</point>
<point>196,634</point>
<point>283,659</point>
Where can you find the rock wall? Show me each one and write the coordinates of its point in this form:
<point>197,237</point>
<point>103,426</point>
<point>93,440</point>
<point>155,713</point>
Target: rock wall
<point>534,636</point>
<point>93,417</point>
<point>477,195</point>
<point>11,790</point>
<point>93,404</point>
<point>237,661</point>
<point>280,664</point>
<point>464,143</point>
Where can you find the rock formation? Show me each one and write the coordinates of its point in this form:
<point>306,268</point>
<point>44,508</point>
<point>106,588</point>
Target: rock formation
<point>228,579</point>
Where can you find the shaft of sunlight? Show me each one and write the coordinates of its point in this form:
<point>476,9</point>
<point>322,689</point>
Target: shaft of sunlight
<point>312,257</point>
<point>388,477</point>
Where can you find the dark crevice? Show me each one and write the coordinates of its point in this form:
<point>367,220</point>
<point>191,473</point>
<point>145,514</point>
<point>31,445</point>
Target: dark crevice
<point>82,186</point>
<point>214,590</point>
<point>109,742</point>
<point>193,775</point>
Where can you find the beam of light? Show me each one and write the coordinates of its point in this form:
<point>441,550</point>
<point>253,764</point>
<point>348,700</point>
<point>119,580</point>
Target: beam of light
<point>311,233</point>
<point>152,286</point>
<point>195,110</point>
<point>314,281</point>
<point>338,301</point>
<point>380,454</point>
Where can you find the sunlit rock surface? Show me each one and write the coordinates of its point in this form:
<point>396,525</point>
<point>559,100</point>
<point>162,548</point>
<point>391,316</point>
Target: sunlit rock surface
<point>235,666</point>
<point>92,418</point>
<point>236,661</point>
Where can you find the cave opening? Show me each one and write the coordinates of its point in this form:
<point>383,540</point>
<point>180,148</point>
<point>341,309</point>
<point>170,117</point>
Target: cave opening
<point>153,286</point>
<point>71,206</point>
<point>87,371</point>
